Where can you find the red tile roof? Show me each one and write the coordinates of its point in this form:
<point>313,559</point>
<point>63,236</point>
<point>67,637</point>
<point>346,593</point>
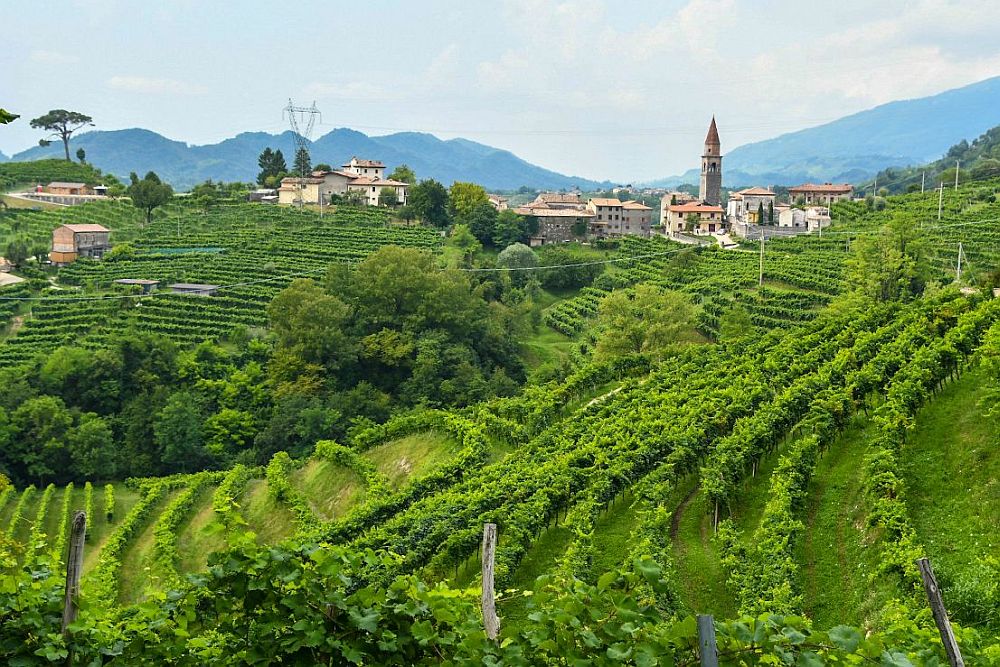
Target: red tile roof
<point>823,187</point>
<point>713,134</point>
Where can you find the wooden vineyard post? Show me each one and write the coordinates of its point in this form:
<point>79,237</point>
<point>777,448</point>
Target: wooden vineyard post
<point>940,614</point>
<point>74,567</point>
<point>490,620</point>
<point>707,649</point>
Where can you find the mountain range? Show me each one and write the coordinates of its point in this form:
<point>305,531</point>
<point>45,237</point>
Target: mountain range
<point>854,148</point>
<point>851,149</point>
<point>122,151</point>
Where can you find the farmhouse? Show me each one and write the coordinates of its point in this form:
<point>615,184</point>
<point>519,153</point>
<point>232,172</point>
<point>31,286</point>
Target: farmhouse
<point>70,242</point>
<point>363,176</point>
<point>706,218</point>
<point>556,225</point>
<point>824,193</point>
<point>63,188</point>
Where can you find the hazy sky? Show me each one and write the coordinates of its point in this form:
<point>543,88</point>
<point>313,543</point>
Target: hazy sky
<point>620,90</point>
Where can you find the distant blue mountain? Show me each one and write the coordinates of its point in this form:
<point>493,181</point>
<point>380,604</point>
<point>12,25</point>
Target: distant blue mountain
<point>3,158</point>
<point>856,147</point>
<point>123,151</point>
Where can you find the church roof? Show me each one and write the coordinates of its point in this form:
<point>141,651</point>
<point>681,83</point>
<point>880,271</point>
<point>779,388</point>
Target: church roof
<point>713,134</point>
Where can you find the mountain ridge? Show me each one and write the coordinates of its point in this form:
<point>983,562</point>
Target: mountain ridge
<point>857,146</point>
<point>120,152</point>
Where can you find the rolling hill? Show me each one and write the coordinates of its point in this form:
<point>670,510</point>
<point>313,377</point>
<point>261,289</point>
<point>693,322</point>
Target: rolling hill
<point>235,159</point>
<point>856,147</point>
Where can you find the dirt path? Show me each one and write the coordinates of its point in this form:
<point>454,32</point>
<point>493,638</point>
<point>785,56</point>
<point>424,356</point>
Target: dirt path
<point>675,519</point>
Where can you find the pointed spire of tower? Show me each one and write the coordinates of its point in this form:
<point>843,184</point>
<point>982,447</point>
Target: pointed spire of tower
<point>713,134</point>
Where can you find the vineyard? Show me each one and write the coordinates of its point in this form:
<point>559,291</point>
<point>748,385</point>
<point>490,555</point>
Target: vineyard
<point>254,252</point>
<point>779,479</point>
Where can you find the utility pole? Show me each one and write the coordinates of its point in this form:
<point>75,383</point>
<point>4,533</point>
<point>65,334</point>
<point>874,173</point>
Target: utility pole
<point>957,162</point>
<point>940,199</point>
<point>923,177</point>
<point>296,116</point>
<point>761,282</point>
<point>958,270</point>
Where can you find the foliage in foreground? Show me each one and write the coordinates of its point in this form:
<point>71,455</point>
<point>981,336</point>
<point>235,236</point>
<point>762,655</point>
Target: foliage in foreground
<point>310,605</point>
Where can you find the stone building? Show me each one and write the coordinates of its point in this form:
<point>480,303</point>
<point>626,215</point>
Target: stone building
<point>70,242</point>
<point>747,205</point>
<point>710,189</point>
<point>820,193</point>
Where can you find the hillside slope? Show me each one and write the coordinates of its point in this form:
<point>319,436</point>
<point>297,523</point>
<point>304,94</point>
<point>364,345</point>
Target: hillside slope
<point>854,148</point>
<point>235,159</point>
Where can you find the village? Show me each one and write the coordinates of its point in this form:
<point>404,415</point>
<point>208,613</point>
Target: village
<point>714,215</point>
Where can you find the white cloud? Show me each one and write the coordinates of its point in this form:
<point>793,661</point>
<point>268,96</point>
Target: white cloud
<point>155,86</point>
<point>53,57</point>
<point>354,91</point>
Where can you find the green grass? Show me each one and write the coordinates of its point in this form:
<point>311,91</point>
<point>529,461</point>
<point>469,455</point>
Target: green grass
<point>539,560</point>
<point>270,520</point>
<point>611,534</point>
<point>951,466</point>
<point>545,345</point>
<point>701,578</point>
<point>137,576</point>
<point>99,529</point>
<point>200,535</point>
<point>329,489</point>
<point>411,457</point>
<point>835,553</point>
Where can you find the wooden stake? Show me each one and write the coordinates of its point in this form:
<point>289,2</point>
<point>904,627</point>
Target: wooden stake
<point>940,614</point>
<point>707,649</point>
<point>74,568</point>
<point>490,620</point>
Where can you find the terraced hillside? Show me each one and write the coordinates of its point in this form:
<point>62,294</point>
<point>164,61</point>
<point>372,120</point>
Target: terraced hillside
<point>252,251</point>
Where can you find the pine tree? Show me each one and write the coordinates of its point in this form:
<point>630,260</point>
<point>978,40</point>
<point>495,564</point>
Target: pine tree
<point>302,166</point>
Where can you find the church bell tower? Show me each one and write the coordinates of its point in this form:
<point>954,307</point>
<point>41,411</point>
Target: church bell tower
<point>710,190</point>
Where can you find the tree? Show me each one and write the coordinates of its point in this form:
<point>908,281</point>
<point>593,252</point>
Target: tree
<point>649,320</point>
<point>770,212</point>
<point>322,166</point>
<point>7,117</point>
<point>387,197</point>
<point>404,174</point>
<point>272,166</point>
<point>302,164</point>
<point>464,241</point>
<point>205,195</point>
<point>760,213</point>
<point>893,265</point>
<point>572,265</point>
<point>81,155</point>
<point>518,256</point>
<point>149,193</point>
<point>429,201</point>
<point>311,324</point>
<point>513,228</point>
<point>18,250</point>
<point>179,434</point>
<point>62,124</point>
<point>116,191</point>
<point>464,198</point>
<point>92,448</point>
<point>482,221</point>
<point>692,221</point>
